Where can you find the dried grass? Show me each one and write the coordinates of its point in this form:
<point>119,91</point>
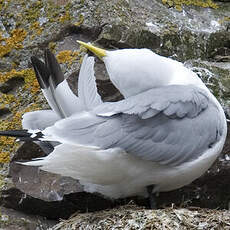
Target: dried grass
<point>137,218</point>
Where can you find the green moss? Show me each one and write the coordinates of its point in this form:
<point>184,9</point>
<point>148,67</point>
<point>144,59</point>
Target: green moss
<point>177,4</point>
<point>146,39</point>
<point>31,13</point>
<point>4,4</point>
<point>34,17</point>
<point>217,40</point>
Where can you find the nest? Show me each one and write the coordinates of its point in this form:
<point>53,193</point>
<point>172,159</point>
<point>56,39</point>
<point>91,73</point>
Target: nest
<point>133,217</point>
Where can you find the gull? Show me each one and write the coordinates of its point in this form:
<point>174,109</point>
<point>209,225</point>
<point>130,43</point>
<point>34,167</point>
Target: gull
<point>165,133</point>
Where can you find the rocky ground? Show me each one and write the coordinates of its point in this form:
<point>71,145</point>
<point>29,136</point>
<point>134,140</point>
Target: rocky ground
<point>194,32</point>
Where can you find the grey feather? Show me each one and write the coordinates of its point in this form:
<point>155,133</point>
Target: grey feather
<point>172,100</point>
<point>185,125</point>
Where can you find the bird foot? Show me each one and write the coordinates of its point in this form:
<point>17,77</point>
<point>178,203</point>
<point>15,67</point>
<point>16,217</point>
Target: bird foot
<point>152,197</point>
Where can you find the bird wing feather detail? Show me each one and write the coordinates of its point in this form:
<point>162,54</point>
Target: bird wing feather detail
<point>173,100</point>
<point>170,136</point>
<point>39,119</point>
<point>87,89</point>
<point>54,85</point>
<point>57,91</point>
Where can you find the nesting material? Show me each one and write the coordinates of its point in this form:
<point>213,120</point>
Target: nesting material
<point>133,217</point>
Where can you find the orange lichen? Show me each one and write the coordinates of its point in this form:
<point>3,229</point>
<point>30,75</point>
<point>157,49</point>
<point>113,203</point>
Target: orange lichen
<point>8,145</point>
<point>67,56</point>
<point>52,46</point>
<point>13,103</point>
<point>4,157</point>
<point>80,20</point>
<point>13,42</point>
<point>28,75</point>
<point>7,98</point>
<point>35,27</point>
<point>179,3</point>
<point>8,75</point>
<point>65,17</point>
<point>31,81</point>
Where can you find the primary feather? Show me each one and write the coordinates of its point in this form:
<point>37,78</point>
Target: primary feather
<point>58,94</point>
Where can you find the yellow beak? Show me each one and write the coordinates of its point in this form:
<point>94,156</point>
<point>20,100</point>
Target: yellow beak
<point>97,51</point>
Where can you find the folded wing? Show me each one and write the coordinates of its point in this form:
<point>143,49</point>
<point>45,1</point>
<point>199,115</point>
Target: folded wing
<point>172,100</point>
<point>181,125</point>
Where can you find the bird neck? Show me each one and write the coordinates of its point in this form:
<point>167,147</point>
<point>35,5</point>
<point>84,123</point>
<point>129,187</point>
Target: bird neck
<point>132,76</point>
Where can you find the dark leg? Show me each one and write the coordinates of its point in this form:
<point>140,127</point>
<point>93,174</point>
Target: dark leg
<point>152,197</point>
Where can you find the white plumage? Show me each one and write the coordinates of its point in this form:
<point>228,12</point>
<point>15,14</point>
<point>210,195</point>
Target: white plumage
<point>134,71</point>
<point>167,131</point>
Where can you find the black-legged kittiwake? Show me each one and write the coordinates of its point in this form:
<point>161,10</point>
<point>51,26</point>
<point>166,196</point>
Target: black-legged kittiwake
<point>165,133</point>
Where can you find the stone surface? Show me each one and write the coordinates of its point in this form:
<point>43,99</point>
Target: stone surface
<point>198,36</point>
<point>37,183</point>
<point>11,219</point>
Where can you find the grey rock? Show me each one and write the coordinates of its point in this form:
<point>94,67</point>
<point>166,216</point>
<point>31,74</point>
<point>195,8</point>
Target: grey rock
<point>200,37</point>
<point>216,77</point>
<point>11,84</point>
<point>36,183</point>
<point>12,219</point>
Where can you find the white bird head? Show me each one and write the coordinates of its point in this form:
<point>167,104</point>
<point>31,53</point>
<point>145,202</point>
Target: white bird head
<point>134,71</point>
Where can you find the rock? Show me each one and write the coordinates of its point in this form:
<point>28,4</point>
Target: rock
<point>15,199</point>
<point>41,193</point>
<point>216,77</point>
<point>12,219</point>
<point>198,36</point>
<point>11,84</point>
<point>37,183</point>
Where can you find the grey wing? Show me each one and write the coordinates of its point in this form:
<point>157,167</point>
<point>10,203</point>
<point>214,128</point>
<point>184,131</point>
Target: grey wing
<point>166,137</point>
<point>162,139</point>
<point>172,100</point>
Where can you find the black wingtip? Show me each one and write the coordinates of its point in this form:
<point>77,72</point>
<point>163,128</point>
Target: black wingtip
<point>41,72</point>
<point>22,135</point>
<point>54,68</point>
